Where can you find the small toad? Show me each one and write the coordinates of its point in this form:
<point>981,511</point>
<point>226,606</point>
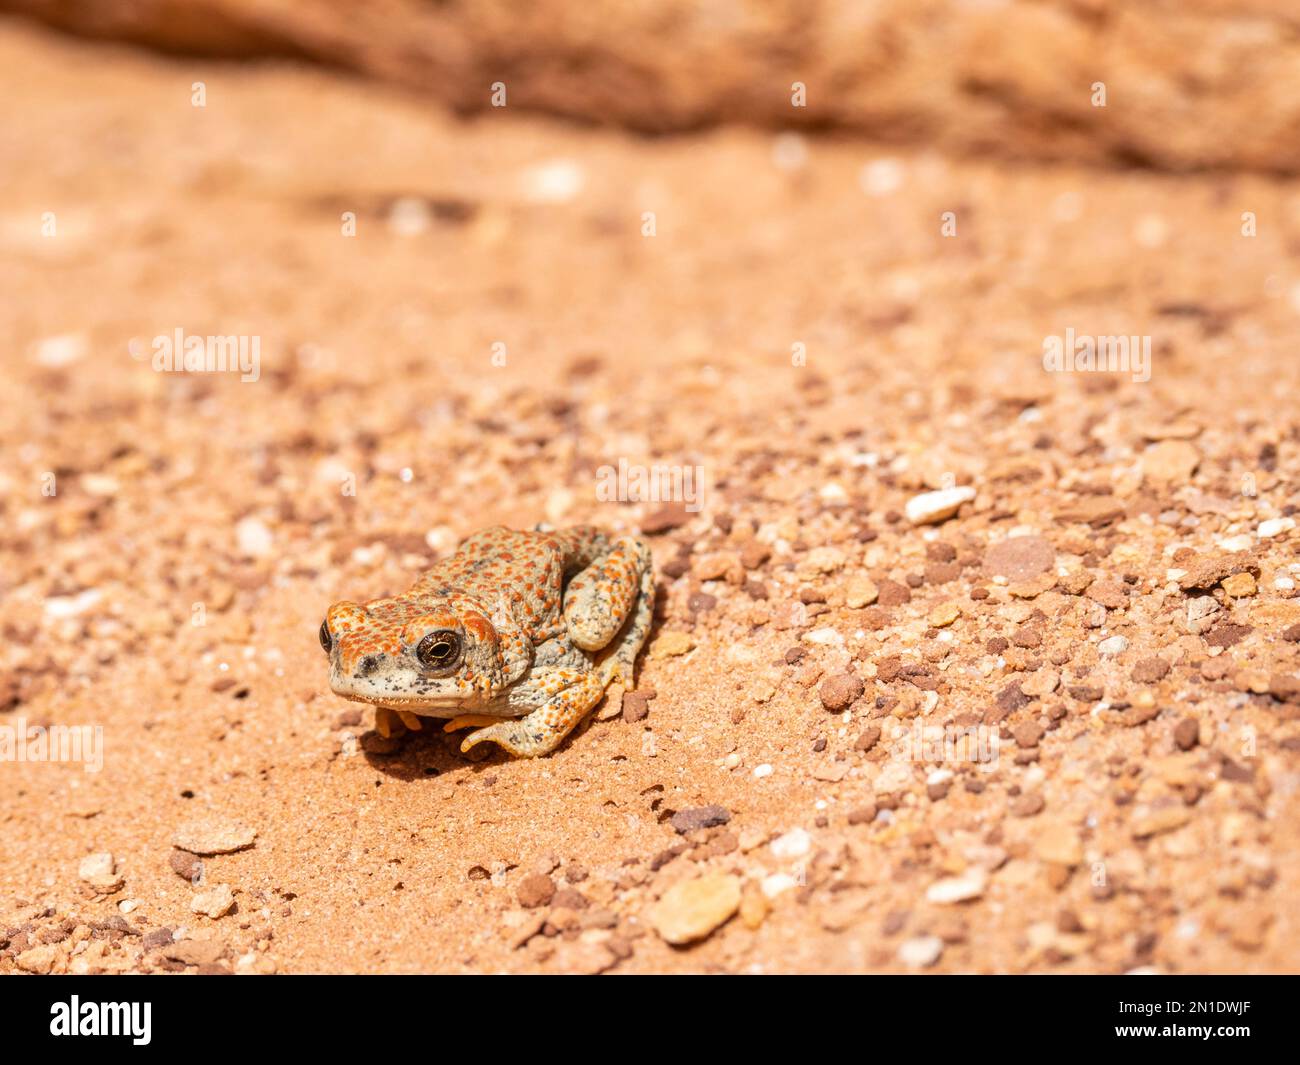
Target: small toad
<point>518,632</point>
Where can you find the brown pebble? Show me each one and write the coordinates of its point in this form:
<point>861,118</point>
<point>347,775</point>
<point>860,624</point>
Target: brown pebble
<point>536,890</point>
<point>867,739</point>
<point>636,705</point>
<point>891,593</point>
<point>569,899</point>
<point>938,551</point>
<point>1027,805</point>
<point>1186,733</point>
<point>186,865</point>
<point>1019,558</point>
<point>863,815</point>
<point>697,817</point>
<point>840,691</point>
<point>665,518</point>
<point>1150,670</point>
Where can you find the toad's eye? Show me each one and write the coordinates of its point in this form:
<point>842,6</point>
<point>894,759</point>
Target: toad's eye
<point>439,650</point>
<point>326,641</point>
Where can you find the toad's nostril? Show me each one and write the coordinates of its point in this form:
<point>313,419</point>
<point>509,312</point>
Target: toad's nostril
<point>368,665</point>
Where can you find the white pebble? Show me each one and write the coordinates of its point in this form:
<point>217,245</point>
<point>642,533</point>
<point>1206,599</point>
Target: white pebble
<point>253,537</point>
<point>1113,645</point>
<point>62,350</point>
<point>763,770</point>
<point>920,952</point>
<point>970,885</point>
<point>793,844</point>
<point>409,216</point>
<point>881,177</point>
<point>96,866</point>
<point>1274,527</point>
<point>777,884</point>
<point>556,181</point>
<point>936,506</point>
<point>70,606</point>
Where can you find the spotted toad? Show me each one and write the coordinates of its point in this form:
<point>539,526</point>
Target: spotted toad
<point>518,632</point>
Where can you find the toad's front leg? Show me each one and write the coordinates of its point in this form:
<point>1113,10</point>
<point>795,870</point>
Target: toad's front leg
<point>541,731</point>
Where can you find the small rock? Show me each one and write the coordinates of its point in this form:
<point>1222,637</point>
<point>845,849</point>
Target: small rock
<point>1150,670</point>
<point>754,906</point>
<point>186,865</point>
<point>1113,645</point>
<point>699,817</point>
<point>39,959</point>
<point>944,615</point>
<point>1019,558</point>
<point>662,520</point>
<point>868,738</point>
<point>99,871</point>
<point>215,902</point>
<point>1170,462</point>
<point>671,644</point>
<point>1092,510</point>
<point>931,507</point>
<point>1187,733</point>
<point>1027,805</point>
<point>1284,687</point>
<point>862,591</point>
<point>1239,585</point>
<point>195,951</point>
<point>1158,821</point>
<point>1204,573</point>
<point>892,593</point>
<point>535,890</point>
<point>920,952</point>
<point>953,889</point>
<point>692,909</point>
<point>793,844</point>
<point>1058,843</point>
<point>213,836</point>
<point>253,538</point>
<point>636,705</point>
<point>841,691</point>
<point>832,772</point>
<point>582,958</point>
<point>158,938</point>
<point>1041,683</point>
<point>1274,527</point>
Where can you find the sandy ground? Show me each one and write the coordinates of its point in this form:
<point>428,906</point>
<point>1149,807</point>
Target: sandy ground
<point>1109,616</point>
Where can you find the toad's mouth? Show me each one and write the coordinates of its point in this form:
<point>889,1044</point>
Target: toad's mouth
<point>413,703</point>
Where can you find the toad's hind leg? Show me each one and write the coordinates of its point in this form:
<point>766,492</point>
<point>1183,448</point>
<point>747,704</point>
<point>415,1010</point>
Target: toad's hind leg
<point>545,728</point>
<point>598,600</point>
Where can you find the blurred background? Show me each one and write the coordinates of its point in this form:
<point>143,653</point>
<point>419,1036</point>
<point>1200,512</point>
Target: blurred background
<point>1194,83</point>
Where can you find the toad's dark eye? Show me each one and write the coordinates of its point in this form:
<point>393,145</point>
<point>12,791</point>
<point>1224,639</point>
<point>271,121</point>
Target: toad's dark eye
<point>439,650</point>
<point>326,641</point>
